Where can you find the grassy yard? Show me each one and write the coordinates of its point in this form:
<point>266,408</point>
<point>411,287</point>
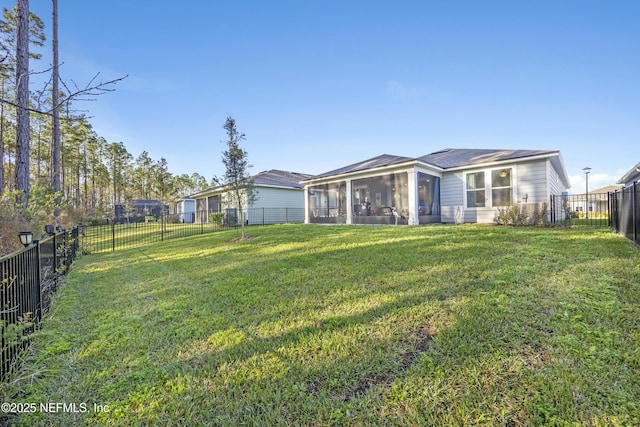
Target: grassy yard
<point>317,325</point>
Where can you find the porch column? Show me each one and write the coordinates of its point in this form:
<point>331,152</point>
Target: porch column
<point>306,204</point>
<point>412,189</point>
<point>349,203</point>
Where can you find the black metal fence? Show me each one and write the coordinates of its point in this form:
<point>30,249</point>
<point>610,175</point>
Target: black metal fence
<point>27,279</point>
<point>580,209</point>
<point>625,212</point>
<point>128,233</point>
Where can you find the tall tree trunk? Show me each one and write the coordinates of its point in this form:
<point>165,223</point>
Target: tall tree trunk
<point>85,172</point>
<point>56,142</point>
<point>2,140</point>
<point>22,99</point>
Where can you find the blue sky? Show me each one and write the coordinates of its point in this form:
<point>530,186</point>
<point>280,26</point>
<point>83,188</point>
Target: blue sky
<point>316,85</point>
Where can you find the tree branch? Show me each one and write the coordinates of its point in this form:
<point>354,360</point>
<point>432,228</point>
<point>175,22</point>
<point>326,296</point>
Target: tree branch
<point>88,90</point>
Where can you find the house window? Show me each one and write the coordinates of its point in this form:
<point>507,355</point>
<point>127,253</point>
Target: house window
<point>475,190</point>
<point>501,187</point>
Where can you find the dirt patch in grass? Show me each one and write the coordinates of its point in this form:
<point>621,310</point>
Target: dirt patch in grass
<point>242,239</point>
<point>420,343</point>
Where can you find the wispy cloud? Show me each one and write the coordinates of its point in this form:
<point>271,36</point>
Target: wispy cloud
<point>597,180</point>
<point>399,91</point>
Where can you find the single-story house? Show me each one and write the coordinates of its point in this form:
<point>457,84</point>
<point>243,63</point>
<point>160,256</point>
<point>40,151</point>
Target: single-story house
<point>185,210</point>
<point>140,208</point>
<point>451,185</point>
<point>629,178</point>
<point>279,198</point>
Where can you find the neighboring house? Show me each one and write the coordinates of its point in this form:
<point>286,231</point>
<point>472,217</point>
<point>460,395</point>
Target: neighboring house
<point>629,178</point>
<point>186,210</point>
<point>279,198</point>
<point>452,185</point>
<point>140,208</point>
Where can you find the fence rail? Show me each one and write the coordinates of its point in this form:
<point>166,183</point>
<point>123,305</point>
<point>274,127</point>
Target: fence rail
<point>125,233</point>
<point>624,206</point>
<point>28,278</point>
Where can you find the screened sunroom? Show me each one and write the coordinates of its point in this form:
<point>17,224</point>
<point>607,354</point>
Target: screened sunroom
<point>393,198</point>
<point>328,203</point>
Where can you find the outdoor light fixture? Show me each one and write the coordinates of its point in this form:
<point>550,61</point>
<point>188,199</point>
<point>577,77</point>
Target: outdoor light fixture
<point>26,238</point>
<point>49,229</point>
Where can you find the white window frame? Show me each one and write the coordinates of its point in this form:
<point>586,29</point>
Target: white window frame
<point>488,186</point>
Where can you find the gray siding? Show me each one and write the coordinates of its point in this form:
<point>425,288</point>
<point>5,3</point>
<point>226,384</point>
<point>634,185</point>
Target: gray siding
<point>451,193</point>
<point>277,205</point>
<point>556,187</point>
<point>268,197</point>
<point>532,182</point>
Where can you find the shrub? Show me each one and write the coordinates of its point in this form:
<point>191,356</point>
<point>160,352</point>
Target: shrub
<point>522,215</point>
<point>216,218</point>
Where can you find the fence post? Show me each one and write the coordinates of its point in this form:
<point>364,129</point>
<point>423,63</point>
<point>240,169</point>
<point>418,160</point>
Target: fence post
<point>39,280</point>
<point>113,236</point>
<point>634,209</point>
<point>55,253</point>
<point>609,208</point>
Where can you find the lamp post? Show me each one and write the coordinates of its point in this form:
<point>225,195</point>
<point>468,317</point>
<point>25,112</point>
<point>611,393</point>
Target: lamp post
<point>26,238</point>
<point>586,194</point>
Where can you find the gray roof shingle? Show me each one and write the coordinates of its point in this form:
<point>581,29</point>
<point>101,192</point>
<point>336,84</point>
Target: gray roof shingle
<point>280,178</point>
<point>375,162</point>
<point>444,159</point>
<point>457,157</point>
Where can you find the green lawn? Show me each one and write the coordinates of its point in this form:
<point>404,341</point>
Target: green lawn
<point>319,325</point>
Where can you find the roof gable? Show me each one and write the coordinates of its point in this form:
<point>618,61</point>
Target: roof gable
<point>278,178</point>
<point>270,178</point>
<point>634,172</point>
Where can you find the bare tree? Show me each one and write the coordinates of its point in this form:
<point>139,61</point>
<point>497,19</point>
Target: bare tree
<point>91,89</point>
<point>55,117</point>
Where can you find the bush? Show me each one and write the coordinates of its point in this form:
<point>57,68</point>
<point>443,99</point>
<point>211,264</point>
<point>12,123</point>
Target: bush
<point>522,215</point>
<point>216,218</point>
